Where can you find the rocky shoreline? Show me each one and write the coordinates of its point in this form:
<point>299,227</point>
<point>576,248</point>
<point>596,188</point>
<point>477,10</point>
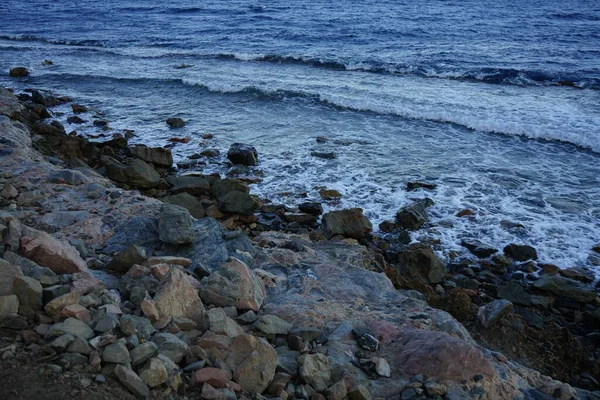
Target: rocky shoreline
<point>214,293</point>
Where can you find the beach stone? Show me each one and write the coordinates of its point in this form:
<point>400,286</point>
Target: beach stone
<point>49,252</point>
<point>238,203</point>
<point>242,154</point>
<point>223,186</point>
<point>8,273</point>
<point>132,381</point>
<point>189,202</point>
<point>490,313</point>
<point>234,284</point>
<point>9,304</point>
<point>143,353</point>
<point>133,172</point>
<point>273,325</point>
<point>154,373</point>
<point>175,225</point>
<point>30,295</point>
<point>55,306</point>
<point>210,153</point>
<point>158,156</point>
<point>176,297</point>
<point>565,287</point>
<point>414,215</point>
<point>350,222</point>
<point>72,326</point>
<point>116,353</point>
<point>125,259</point>
<point>419,261</point>
<point>514,293</point>
<point>175,122</point>
<point>18,72</point>
<point>520,252</point>
<point>478,248</point>
<point>314,370</point>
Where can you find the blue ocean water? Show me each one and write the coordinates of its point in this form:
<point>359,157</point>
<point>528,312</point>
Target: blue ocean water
<point>497,102</point>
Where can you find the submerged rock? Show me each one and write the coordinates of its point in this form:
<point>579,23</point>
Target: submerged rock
<point>18,72</point>
<point>175,122</point>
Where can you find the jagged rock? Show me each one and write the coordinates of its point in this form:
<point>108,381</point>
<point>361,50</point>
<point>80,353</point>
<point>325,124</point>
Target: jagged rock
<point>434,388</point>
<point>44,98</point>
<point>221,324</point>
<point>351,223</point>
<point>170,346</point>
<point>273,325</point>
<point>11,107</point>
<point>13,321</point>
<point>78,108</point>
<point>414,215</point>
<point>215,377</point>
<point>478,248</point>
<point>194,185</point>
<point>106,323</point>
<point>312,208</point>
<point>47,251</point>
<point>520,252</point>
<point>116,353</point>
<point>9,305</point>
<point>175,122</point>
<point>72,326</point>
<point>419,261</point>
<point>175,225</point>
<point>125,259</point>
<point>242,154</point>
<point>61,343</point>
<point>330,194</point>
<point>54,307</point>
<point>79,346</point>
<point>134,172</point>
<point>410,186</point>
<point>566,287</point>
<point>132,381</point>
<point>234,285</point>
<point>189,202</point>
<point>30,292</point>
<point>158,156</point>
<point>314,370</point>
<point>18,72</point>
<point>223,186</point>
<point>132,324</point>
<point>238,203</point>
<point>490,313</point>
<point>154,372</point>
<point>176,297</point>
<point>143,353</point>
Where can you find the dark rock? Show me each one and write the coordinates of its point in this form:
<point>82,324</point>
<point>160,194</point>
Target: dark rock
<point>19,72</point>
<point>175,122</point>
<point>44,98</point>
<point>322,139</point>
<point>175,225</point>
<point>311,208</point>
<point>67,176</point>
<point>158,156</point>
<point>243,154</point>
<point>189,202</point>
<point>414,216</point>
<point>221,187</point>
<point>78,109</point>
<point>125,259</point>
<point>520,252</point>
<point>238,203</point>
<point>101,123</point>
<point>194,185</point>
<point>578,273</point>
<point>419,261</point>
<point>132,381</point>
<point>565,287</point>
<point>210,153</point>
<point>366,339</point>
<point>301,218</point>
<point>134,172</point>
<point>75,119</point>
<point>490,313</point>
<point>478,248</point>
<point>350,222</point>
<point>138,230</point>
<point>410,186</point>
<point>327,156</point>
<point>514,293</point>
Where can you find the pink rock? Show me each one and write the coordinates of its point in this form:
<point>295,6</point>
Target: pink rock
<point>76,311</point>
<point>159,270</point>
<point>149,309</point>
<point>175,297</point>
<point>213,376</point>
<point>137,270</point>
<point>49,252</point>
<point>85,286</point>
<point>184,262</point>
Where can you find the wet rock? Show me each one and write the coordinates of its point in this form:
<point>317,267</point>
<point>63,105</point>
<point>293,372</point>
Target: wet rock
<point>491,313</point>
<point>351,223</point>
<point>75,119</point>
<point>410,186</point>
<point>324,155</point>
<point>242,154</point>
<point>44,98</point>
<point>520,252</point>
<point>134,172</point>
<point>330,194</point>
<point>154,373</point>
<point>125,259</point>
<point>238,203</point>
<point>273,325</point>
<point>234,284</point>
<point>73,327</point>
<point>189,202</point>
<point>514,293</point>
<point>175,225</point>
<point>579,274</point>
<point>78,108</point>
<point>478,248</point>
<point>158,156</point>
<point>419,261</point>
<point>312,208</point>
<point>210,153</point>
<point>18,72</point>
<point>194,185</point>
<point>566,287</point>
<point>176,297</point>
<point>223,186</point>
<point>132,381</point>
<point>175,122</point>
<point>30,292</point>
<point>414,216</point>
<point>116,353</point>
<point>314,370</point>
<point>47,251</point>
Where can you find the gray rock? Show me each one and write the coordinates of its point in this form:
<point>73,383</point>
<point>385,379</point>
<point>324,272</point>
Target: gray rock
<point>579,274</point>
<point>565,287</point>
<point>170,346</point>
<point>67,176</point>
<point>132,324</point>
<point>238,203</point>
<point>175,122</point>
<point>242,154</point>
<point>13,321</point>
<point>106,323</point>
<point>125,259</point>
<point>9,304</point>
<point>61,343</point>
<point>273,325</point>
<point>132,381</point>
<point>44,98</point>
<point>72,326</point>
<point>514,293</point>
<point>189,202</point>
<point>94,191</point>
<point>30,292</point>
<point>221,187</point>
<point>8,273</point>
<point>175,225</point>
<point>134,172</point>
<point>154,372</point>
<point>139,231</point>
<point>143,353</point>
<point>194,185</point>
<point>287,360</point>
<point>478,248</point>
<point>18,72</point>
<point>419,261</point>
<point>158,156</point>
<point>79,346</point>
<point>116,353</point>
<point>490,313</point>
<point>414,215</point>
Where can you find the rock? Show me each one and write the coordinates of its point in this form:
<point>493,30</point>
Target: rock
<point>220,324</point>
<point>8,273</point>
<point>67,176</point>
<point>419,261</point>
<point>55,306</point>
<point>13,321</point>
<point>520,252</point>
<point>75,119</point>
<point>210,153</point>
<point>312,208</point>
<point>359,392</point>
<point>351,223</point>
<point>410,186</point>
<point>434,388</point>
<point>242,154</point>
<point>116,353</point>
<point>61,343</point>
<point>215,377</point>
<point>132,324</point>
<point>30,292</point>
<point>106,323</point>
<point>158,156</point>
<point>314,370</point>
<point>176,297</point>
<point>47,251</point>
<point>154,373</point>
<point>273,325</point>
<point>175,225</point>
<point>382,367</point>
<point>194,185</point>
<point>490,313</point>
<point>579,274</point>
<point>337,392</point>
<point>134,172</point>
<point>9,305</point>
<point>19,72</point>
<point>514,293</point>
<point>149,309</point>
<point>233,284</point>
<point>72,326</point>
<point>478,248</point>
<point>143,353</point>
<point>238,203</point>
<point>414,216</point>
<point>324,155</point>
<point>223,186</point>
<point>365,339</point>
<point>44,98</point>
<point>330,194</point>
<point>175,122</point>
<point>253,362</point>
<point>565,287</point>
<point>189,202</point>
<point>131,381</point>
<point>170,346</point>
<point>78,108</point>
<point>125,259</point>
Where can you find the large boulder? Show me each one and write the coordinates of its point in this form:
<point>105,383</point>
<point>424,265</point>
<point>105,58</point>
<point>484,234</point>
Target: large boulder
<point>189,202</point>
<point>176,297</point>
<point>414,215</point>
<point>133,172</point>
<point>351,223</point>
<point>158,156</point>
<point>565,287</point>
<point>234,284</point>
<point>175,225</point>
<point>47,251</point>
<point>238,203</point>
<point>419,261</point>
<point>242,154</point>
